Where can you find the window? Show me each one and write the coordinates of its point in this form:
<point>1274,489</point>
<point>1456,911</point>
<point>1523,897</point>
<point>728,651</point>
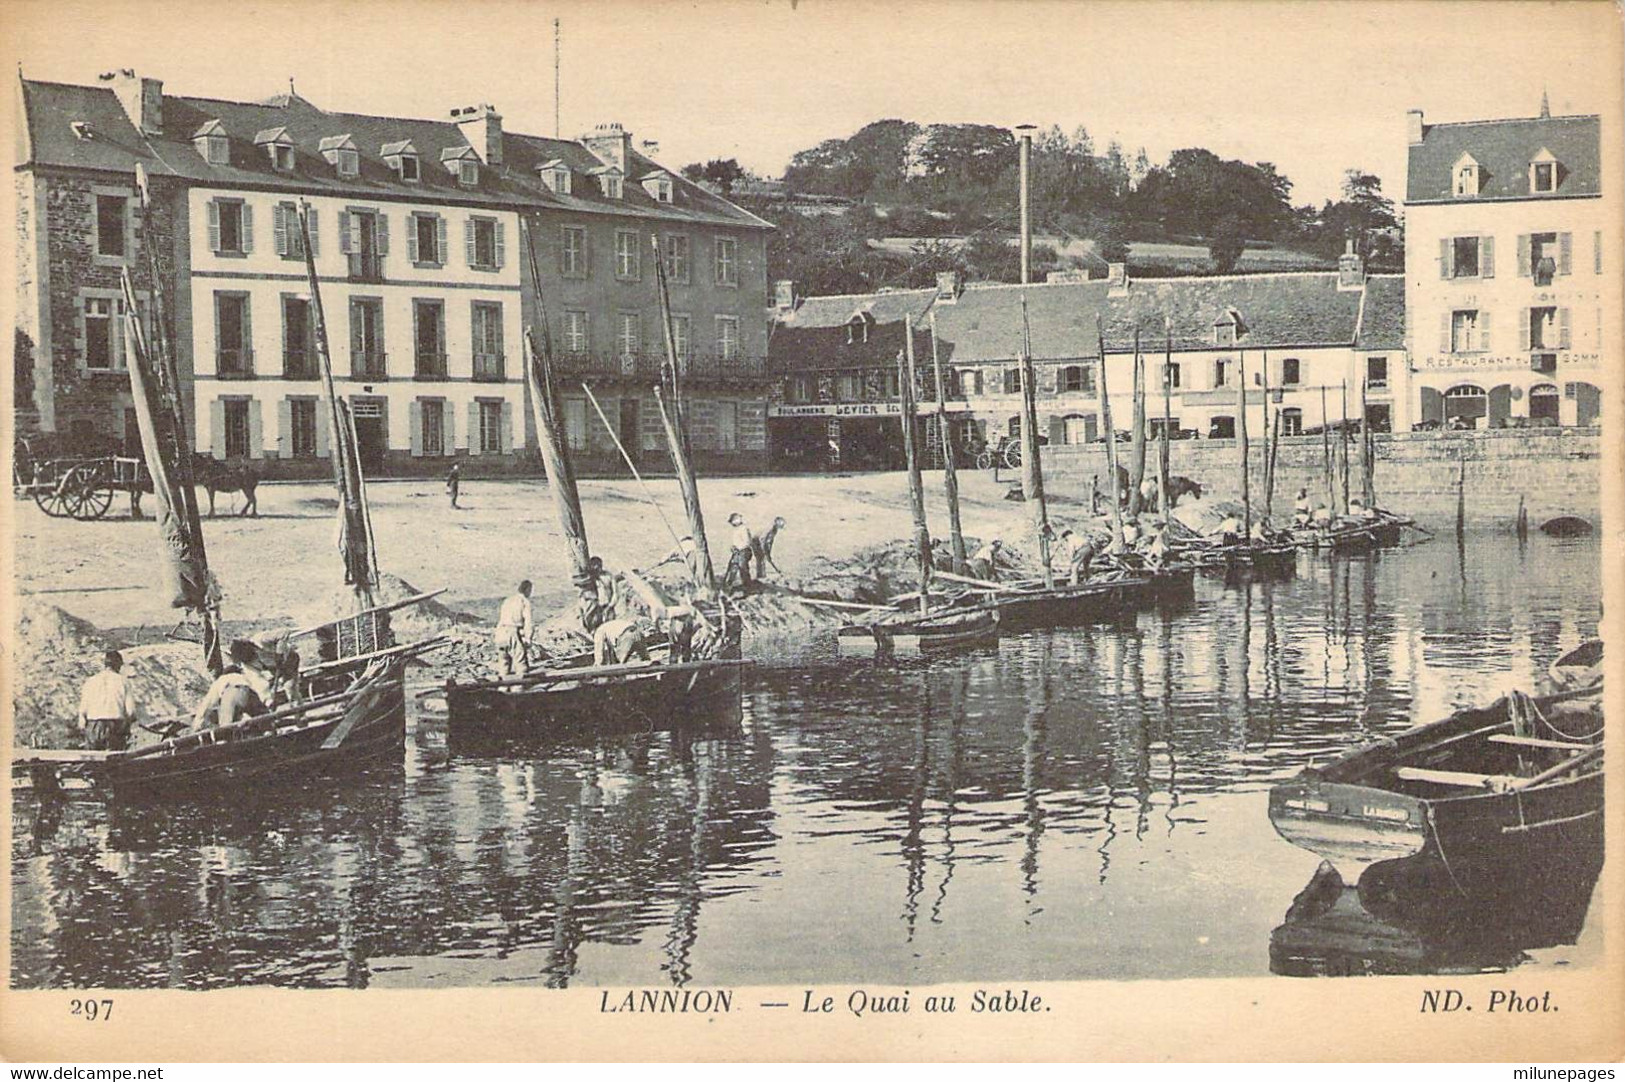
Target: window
<point>1543,328</point>
<point>235,412</point>
<point>610,185</point>
<point>1376,373</point>
<point>103,344</point>
<point>629,336</point>
<point>1012,379</point>
<point>288,237</point>
<point>1224,333</point>
<point>490,428</point>
<point>1466,177</point>
<point>849,387</point>
<point>486,324</point>
<point>409,172</point>
<point>727,337</point>
<point>970,381</point>
<point>429,339</point>
<point>110,215</point>
<point>298,340</point>
<point>1221,372</point>
<point>348,162</point>
<point>1464,332</point>
<point>682,337</point>
<point>231,227</point>
<point>626,256</point>
<point>1221,428</point>
<point>367,357</point>
<point>658,186</point>
<point>432,424</point>
<point>726,417</point>
<point>556,176</point>
<point>1079,378</point>
<point>1464,257</point>
<point>727,261</point>
<point>1550,254</point>
<point>1544,404</point>
<point>677,259</point>
<point>483,237</point>
<point>573,252</point>
<point>426,242</point>
<point>1543,176</point>
<point>1291,422</point>
<point>1078,428</point>
<point>798,389</point>
<point>1170,376</point>
<point>1379,417</point>
<point>1464,404</point>
<point>575,423</point>
<point>468,173</point>
<point>857,330</point>
<point>233,336</point>
<point>302,426</point>
<point>215,148</point>
<point>281,156</point>
<point>364,237</point>
<point>1291,373</point>
<point>577,332</point>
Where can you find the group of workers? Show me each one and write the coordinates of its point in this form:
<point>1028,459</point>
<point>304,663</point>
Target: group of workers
<point>1074,552</point>
<point>1306,514</point>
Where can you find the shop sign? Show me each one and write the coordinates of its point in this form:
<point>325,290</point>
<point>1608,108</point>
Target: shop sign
<point>857,409</point>
<point>1515,361</point>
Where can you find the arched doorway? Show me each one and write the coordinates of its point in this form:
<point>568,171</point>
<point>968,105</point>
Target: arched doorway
<point>1464,405</point>
<point>1544,404</point>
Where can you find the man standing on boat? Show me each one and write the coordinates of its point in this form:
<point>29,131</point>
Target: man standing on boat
<point>597,595</point>
<point>985,564</point>
<point>513,632</point>
<point>1080,552</point>
<point>1300,508</point>
<point>242,691</point>
<point>106,706</point>
<point>617,642</point>
<point>744,552</point>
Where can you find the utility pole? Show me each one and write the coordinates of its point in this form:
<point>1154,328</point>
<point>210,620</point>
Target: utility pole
<point>558,50</point>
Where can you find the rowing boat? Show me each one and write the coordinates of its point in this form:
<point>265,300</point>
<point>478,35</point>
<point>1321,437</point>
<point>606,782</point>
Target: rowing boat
<point>1107,597</point>
<point>1490,796</point>
<point>935,633</point>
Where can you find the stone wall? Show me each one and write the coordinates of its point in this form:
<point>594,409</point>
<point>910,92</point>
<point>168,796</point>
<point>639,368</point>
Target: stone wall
<point>1556,471</point>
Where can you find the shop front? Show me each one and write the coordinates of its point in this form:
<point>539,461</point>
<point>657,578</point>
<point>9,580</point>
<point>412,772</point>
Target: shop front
<point>831,436</point>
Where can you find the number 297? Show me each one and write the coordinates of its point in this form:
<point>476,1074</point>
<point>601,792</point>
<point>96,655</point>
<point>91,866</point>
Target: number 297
<point>91,1010</point>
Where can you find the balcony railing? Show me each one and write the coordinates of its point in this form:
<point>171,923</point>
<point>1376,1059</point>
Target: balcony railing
<point>234,363</point>
<point>490,367</point>
<point>428,365</point>
<point>299,364</point>
<point>647,366</point>
<point>366,267</point>
<point>369,364</point>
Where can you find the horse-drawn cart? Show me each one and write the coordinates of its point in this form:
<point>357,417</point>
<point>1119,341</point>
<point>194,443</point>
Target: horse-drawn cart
<point>77,486</point>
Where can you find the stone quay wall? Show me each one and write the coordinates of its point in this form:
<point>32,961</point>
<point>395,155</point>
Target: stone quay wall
<point>1557,471</point>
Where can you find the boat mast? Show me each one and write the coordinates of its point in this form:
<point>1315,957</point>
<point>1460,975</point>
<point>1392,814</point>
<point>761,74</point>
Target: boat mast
<point>674,420</point>
<point>544,407</point>
<point>1343,429</point>
<point>1241,438</point>
<point>916,486</point>
<point>1137,442</point>
<point>1326,451</point>
<point>1167,416</point>
<point>1032,470</point>
<point>359,563</point>
<point>950,472</point>
<point>1368,472</point>
<point>1111,438</point>
<point>1272,443</point>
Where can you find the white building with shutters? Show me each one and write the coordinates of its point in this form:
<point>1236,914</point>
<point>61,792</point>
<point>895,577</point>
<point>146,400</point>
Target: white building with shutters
<point>1512,272</point>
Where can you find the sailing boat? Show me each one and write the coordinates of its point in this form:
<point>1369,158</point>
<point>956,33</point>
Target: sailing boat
<point>579,699</point>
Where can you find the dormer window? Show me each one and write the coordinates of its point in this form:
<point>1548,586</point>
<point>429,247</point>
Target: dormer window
<point>462,163</point>
<point>278,146</point>
<point>659,186</point>
<point>468,173</point>
<point>857,330</point>
<point>402,157</point>
<point>212,144</point>
<point>556,176</point>
<point>341,152</point>
<point>1226,329</point>
<point>1467,176</point>
<point>1543,173</point>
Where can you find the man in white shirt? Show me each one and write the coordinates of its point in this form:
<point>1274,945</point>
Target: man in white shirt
<point>744,552</point>
<point>242,691</point>
<point>1229,530</point>
<point>106,706</point>
<point>985,564</point>
<point>513,633</point>
<point>617,642</point>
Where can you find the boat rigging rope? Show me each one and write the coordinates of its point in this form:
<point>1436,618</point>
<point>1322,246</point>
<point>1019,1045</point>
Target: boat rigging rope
<point>647,494</point>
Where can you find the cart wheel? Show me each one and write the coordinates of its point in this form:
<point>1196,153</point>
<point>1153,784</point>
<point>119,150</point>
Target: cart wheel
<point>984,459</point>
<point>52,498</point>
<point>92,492</point>
<point>1012,456</point>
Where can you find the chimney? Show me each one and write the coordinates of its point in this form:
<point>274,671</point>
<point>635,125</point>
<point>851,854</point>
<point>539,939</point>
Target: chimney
<point>949,286</point>
<point>142,98</point>
<point>481,125</point>
<point>610,144</point>
<point>1413,126</point>
<point>784,295</point>
<point>1116,279</point>
<point>650,148</point>
<point>1350,268</point>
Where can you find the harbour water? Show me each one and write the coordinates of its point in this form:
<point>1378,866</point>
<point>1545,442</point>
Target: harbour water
<point>1087,804</point>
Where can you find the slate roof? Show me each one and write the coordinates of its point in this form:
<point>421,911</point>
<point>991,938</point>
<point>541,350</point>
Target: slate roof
<point>984,325</point>
<point>1503,150</point>
<point>47,139</point>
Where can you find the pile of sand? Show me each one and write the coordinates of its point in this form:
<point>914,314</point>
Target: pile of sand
<point>55,652</point>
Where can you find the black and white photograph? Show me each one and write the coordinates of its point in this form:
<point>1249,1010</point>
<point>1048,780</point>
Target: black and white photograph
<point>908,505</point>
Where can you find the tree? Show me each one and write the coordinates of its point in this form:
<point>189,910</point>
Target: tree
<point>1225,244</point>
<point>722,172</point>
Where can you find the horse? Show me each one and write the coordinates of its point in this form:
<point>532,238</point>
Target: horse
<point>1181,486</point>
<point>216,475</point>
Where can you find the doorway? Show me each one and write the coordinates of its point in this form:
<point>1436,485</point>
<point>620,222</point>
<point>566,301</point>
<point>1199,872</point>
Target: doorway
<point>631,424</point>
<point>371,431</point>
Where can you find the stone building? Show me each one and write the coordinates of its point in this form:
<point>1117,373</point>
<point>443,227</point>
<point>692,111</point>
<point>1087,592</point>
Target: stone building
<point>416,234</point>
<point>1512,271</point>
<point>1318,333</point>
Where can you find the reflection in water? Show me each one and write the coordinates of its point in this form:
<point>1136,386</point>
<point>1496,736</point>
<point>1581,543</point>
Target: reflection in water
<point>1070,805</point>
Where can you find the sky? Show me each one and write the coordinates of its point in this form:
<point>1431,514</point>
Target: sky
<point>1316,88</point>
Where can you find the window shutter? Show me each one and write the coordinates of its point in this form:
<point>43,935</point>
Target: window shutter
<point>440,255</point>
<point>1486,257</point>
<point>468,241</point>
<point>218,345</point>
<point>1444,257</point>
<point>474,428</point>
<point>1564,329</point>
<point>1444,333</point>
<point>507,427</point>
<point>412,238</point>
<point>414,413</point>
<point>256,430</point>
<point>248,335</point>
<point>502,243</point>
<point>315,235</point>
<point>1057,430</point>
<point>323,435</point>
<point>1523,329</point>
<point>355,333</point>
<point>1565,253</point>
<point>448,430</point>
<point>383,234</point>
<point>1483,330</point>
<point>248,227</point>
<point>279,229</point>
<point>1523,255</point>
<point>217,428</point>
<point>284,428</point>
<point>346,240</point>
<point>1432,405</point>
<point>214,225</point>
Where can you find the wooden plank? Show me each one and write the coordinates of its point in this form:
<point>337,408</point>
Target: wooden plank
<point>415,599</point>
<point>421,646</point>
<point>1454,777</point>
<point>31,756</point>
<point>1536,742</point>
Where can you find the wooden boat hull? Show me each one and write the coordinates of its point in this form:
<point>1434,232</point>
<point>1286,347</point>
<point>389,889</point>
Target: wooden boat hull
<point>705,695</point>
<point>1071,606</point>
<point>1347,539</point>
<point>1389,802</point>
<point>926,635</point>
<point>366,726</point>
